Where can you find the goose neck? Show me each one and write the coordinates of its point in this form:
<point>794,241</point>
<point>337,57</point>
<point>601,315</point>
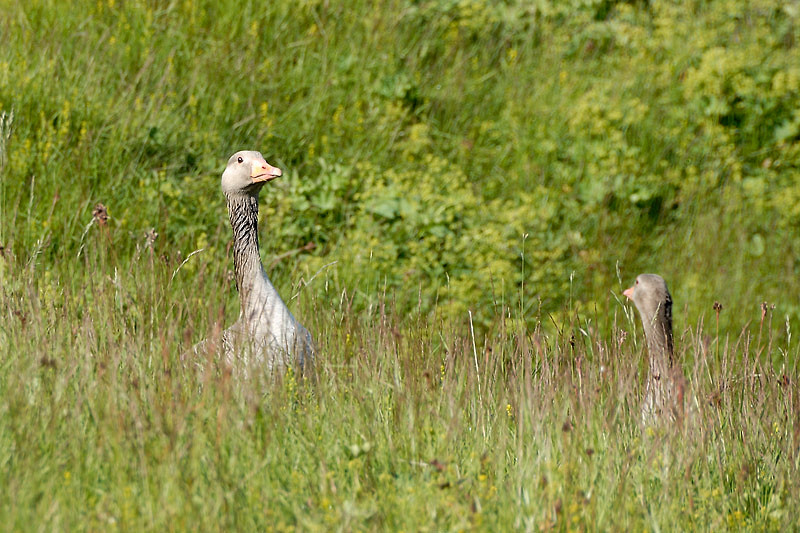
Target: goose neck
<point>659,346</point>
<point>243,212</point>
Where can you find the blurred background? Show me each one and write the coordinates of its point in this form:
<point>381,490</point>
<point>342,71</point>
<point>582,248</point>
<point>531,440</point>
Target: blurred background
<point>512,158</point>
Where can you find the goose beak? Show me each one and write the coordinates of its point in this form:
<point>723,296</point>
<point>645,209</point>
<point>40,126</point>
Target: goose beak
<point>629,293</point>
<point>262,172</point>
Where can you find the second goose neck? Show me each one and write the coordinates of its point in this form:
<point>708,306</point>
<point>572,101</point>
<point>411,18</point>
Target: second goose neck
<point>660,343</point>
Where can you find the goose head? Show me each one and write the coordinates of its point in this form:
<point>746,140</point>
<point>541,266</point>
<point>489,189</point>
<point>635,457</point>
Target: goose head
<point>247,172</point>
<point>650,295</point>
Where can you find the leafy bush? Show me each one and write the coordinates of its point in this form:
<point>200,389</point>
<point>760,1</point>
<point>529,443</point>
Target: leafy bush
<point>423,142</point>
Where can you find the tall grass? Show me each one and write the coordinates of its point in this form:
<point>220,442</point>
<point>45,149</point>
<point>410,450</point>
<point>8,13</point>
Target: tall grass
<point>413,423</point>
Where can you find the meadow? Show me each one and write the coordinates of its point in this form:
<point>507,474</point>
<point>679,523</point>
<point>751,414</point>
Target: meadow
<point>468,187</point>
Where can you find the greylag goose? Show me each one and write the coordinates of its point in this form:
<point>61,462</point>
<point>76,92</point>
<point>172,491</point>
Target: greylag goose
<point>665,384</point>
<point>266,333</point>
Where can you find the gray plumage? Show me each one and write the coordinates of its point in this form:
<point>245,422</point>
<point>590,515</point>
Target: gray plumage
<point>266,334</point>
<point>665,383</point>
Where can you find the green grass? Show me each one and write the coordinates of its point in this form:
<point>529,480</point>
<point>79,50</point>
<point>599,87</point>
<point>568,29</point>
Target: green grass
<point>409,426</point>
<point>480,181</point>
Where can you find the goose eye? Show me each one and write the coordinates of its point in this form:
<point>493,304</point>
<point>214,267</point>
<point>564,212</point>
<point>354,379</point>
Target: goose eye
<point>240,160</point>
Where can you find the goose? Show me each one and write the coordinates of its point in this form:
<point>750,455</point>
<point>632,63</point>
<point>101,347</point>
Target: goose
<point>266,333</point>
<point>665,385</point>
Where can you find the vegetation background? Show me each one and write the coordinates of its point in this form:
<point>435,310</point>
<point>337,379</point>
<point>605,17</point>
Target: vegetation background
<point>479,180</point>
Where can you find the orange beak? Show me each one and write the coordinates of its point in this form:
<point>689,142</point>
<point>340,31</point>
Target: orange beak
<point>261,171</point>
<point>629,293</point>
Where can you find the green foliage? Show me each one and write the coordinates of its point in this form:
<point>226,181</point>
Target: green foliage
<point>430,220</point>
<point>422,143</point>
